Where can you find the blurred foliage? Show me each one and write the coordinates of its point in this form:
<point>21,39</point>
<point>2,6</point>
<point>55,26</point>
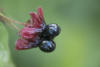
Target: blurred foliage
<point>78,45</point>
<point>5,59</point>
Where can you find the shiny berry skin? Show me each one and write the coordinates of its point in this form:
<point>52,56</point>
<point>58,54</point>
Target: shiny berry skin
<point>47,46</point>
<point>51,31</point>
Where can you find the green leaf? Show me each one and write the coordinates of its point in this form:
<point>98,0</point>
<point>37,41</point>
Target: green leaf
<point>5,59</point>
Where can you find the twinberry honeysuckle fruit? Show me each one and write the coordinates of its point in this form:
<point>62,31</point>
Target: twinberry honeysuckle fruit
<point>36,33</point>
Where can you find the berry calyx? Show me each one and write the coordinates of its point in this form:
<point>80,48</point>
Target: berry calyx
<point>31,31</point>
<point>47,46</point>
<point>22,44</point>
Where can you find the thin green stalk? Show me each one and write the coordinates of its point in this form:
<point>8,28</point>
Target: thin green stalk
<point>10,21</point>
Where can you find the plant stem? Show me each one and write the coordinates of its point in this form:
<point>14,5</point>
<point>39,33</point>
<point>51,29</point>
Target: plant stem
<point>6,19</point>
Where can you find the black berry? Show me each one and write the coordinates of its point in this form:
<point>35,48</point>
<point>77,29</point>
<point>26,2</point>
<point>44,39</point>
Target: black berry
<point>47,46</point>
<point>51,31</point>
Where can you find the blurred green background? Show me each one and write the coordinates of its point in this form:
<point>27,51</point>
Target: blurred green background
<point>78,45</point>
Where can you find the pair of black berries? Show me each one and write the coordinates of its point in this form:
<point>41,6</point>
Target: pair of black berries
<point>49,33</point>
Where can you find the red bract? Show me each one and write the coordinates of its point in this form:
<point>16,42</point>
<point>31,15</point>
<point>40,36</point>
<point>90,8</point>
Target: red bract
<point>29,35</point>
<point>37,19</point>
<point>21,44</point>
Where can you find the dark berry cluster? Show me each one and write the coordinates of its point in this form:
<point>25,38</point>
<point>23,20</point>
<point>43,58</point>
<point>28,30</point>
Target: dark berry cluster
<point>36,33</point>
